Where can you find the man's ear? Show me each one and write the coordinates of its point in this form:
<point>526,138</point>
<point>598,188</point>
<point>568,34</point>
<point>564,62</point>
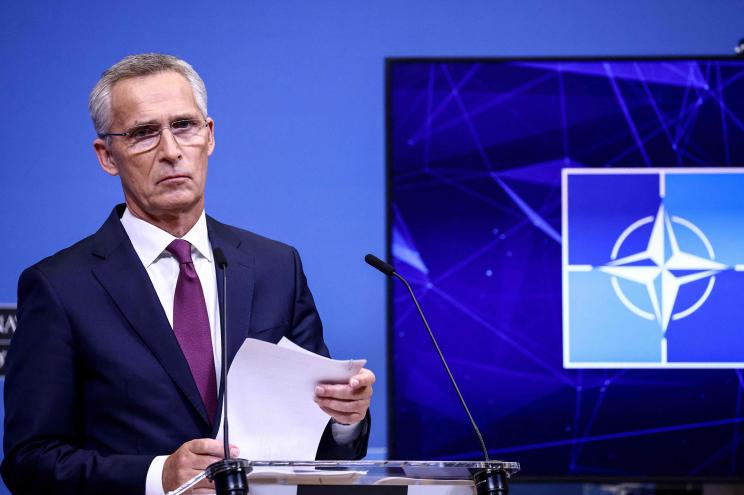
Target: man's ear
<point>210,144</point>
<point>105,158</point>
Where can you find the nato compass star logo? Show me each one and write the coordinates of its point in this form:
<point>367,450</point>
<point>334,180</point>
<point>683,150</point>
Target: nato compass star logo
<point>651,268</point>
<point>662,268</point>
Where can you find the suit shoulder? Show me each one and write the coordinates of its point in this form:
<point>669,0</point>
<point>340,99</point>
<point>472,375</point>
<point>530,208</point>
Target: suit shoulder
<point>255,242</point>
<point>68,260</point>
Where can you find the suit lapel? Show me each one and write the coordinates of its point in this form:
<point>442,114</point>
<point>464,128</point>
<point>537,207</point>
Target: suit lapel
<point>126,281</point>
<point>240,283</point>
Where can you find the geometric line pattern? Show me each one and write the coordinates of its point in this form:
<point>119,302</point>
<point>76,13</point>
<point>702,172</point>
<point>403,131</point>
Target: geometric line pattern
<point>476,150</point>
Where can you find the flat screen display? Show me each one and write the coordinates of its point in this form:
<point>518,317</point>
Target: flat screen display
<point>574,230</point>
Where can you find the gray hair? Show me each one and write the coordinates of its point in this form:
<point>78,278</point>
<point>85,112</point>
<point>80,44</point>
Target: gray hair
<point>145,64</point>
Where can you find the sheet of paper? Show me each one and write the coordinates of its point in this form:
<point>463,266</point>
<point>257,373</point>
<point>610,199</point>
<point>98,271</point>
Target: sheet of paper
<point>271,412</point>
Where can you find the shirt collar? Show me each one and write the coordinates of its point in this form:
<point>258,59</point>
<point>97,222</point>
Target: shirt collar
<point>150,241</point>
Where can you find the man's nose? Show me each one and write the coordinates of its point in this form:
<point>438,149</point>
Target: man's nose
<point>169,145</point>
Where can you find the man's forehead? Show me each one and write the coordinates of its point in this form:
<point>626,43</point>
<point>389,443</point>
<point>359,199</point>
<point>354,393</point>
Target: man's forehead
<point>146,97</point>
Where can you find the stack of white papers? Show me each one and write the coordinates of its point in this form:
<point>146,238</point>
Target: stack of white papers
<point>271,412</point>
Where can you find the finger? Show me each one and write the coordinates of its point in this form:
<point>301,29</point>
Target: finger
<point>364,378</point>
<point>206,446</point>
<point>342,392</point>
<point>201,462</point>
<point>184,463</point>
<point>176,476</point>
<point>344,406</point>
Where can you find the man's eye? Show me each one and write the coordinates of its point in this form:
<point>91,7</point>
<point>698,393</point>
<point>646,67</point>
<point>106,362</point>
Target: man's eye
<point>144,131</point>
<point>183,124</point>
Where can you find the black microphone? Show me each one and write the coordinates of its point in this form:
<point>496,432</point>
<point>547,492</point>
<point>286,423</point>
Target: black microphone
<point>229,476</point>
<point>487,481</point>
<point>376,262</point>
<point>221,261</point>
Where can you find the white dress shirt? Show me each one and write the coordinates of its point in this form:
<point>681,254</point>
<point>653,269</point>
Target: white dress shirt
<point>149,243</point>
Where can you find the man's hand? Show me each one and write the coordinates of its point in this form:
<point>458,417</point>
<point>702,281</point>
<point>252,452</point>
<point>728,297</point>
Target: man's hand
<point>192,458</point>
<point>347,403</point>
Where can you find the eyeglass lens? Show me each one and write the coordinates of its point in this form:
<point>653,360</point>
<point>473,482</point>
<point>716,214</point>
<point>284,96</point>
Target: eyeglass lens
<point>147,136</point>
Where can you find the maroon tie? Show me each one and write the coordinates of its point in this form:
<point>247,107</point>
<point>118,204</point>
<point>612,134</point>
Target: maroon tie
<point>191,326</point>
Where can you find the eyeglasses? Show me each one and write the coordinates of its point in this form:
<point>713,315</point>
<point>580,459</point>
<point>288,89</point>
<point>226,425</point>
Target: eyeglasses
<point>145,137</point>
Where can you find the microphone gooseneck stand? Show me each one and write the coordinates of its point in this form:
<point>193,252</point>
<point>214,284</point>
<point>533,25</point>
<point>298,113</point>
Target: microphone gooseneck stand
<point>488,481</point>
<point>228,475</point>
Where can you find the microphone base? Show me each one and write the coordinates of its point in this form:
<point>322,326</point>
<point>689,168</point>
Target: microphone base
<point>491,482</point>
<point>229,476</point>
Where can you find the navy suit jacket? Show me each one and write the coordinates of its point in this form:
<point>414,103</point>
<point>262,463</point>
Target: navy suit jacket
<point>96,383</point>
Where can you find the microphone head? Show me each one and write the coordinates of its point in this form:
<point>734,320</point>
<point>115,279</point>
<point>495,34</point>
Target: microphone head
<point>377,263</point>
<point>219,257</point>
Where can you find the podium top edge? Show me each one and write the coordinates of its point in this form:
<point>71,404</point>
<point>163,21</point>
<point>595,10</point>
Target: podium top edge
<point>507,466</point>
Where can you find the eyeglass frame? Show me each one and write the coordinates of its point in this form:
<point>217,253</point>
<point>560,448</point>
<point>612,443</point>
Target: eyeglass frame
<point>128,132</point>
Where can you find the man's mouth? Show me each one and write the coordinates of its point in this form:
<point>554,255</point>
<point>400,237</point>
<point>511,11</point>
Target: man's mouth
<point>172,178</point>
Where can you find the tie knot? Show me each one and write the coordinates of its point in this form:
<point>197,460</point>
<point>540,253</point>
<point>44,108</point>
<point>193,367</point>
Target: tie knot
<point>181,250</point>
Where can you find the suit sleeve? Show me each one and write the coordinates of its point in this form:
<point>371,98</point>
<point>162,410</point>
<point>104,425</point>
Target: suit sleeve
<point>305,326</point>
<point>307,331</point>
<point>43,407</point>
<point>330,450</point>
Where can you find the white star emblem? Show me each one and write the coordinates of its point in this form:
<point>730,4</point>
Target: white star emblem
<point>663,267</point>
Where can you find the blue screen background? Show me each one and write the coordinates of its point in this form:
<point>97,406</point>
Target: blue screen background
<point>476,153</point>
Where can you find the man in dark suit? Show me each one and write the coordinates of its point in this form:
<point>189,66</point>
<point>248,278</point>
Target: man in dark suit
<point>112,376</point>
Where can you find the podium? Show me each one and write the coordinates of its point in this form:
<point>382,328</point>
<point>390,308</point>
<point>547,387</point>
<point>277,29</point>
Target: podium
<point>367,477</point>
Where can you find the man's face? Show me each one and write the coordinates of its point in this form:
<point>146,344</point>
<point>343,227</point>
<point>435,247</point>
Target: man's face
<point>168,180</point>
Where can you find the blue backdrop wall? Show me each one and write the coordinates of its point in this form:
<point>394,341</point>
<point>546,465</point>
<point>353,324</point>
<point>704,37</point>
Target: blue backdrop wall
<point>297,93</point>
